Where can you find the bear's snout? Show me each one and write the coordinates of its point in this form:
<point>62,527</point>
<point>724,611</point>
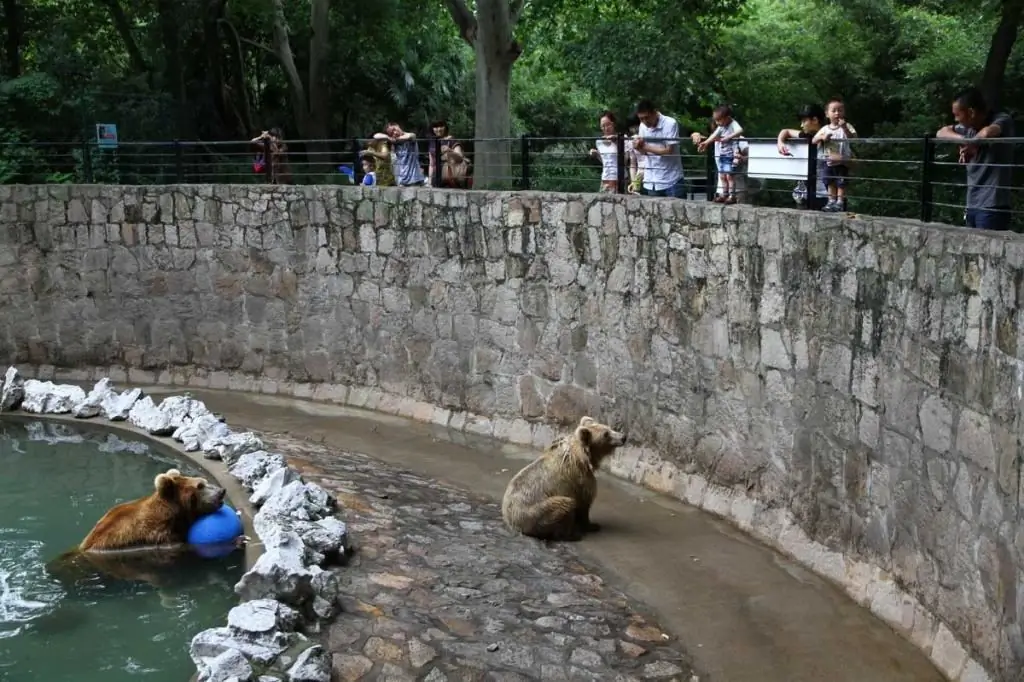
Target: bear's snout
<point>219,495</point>
<point>619,438</point>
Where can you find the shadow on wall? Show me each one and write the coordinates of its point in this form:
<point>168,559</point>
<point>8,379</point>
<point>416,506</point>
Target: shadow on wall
<point>859,379</point>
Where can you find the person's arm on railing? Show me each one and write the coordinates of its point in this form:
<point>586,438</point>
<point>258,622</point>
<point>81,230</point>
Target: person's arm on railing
<point>383,156</point>
<point>711,138</point>
<point>784,136</point>
<point>671,146</point>
<point>405,137</point>
<point>381,136</point>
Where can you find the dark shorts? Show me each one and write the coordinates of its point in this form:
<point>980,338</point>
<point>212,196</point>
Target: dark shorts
<point>988,218</point>
<point>726,164</point>
<point>835,175</point>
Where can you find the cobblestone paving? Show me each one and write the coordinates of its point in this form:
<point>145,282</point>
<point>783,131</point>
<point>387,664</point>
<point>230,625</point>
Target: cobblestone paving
<point>438,589</point>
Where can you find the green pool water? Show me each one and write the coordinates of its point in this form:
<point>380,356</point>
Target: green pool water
<point>56,481</point>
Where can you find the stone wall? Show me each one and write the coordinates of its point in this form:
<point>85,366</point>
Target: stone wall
<point>847,390</point>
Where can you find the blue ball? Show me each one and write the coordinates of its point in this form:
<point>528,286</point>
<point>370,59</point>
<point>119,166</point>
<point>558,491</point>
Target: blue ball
<point>222,526</point>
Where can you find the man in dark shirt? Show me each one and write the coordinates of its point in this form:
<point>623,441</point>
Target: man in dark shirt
<point>989,165</point>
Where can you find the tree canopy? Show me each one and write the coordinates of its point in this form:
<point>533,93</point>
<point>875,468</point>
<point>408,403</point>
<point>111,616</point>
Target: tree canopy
<point>226,69</point>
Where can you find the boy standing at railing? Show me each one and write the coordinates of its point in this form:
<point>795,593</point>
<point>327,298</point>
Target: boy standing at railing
<point>725,151</point>
<point>835,147</point>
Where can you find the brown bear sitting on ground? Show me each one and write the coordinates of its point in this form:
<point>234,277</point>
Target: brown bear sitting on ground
<point>550,498</point>
<point>158,523</point>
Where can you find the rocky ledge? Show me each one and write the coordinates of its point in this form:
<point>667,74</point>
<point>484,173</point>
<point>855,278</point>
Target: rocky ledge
<point>287,593</point>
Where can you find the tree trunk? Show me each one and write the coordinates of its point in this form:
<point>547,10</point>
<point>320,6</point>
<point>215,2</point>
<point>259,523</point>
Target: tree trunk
<point>490,34</point>
<point>283,50</point>
<point>12,43</point>
<point>492,159</point>
<point>318,152</point>
<point>999,51</point>
<point>174,77</point>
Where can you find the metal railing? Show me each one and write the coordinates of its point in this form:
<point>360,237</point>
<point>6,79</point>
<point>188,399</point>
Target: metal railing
<point>920,178</point>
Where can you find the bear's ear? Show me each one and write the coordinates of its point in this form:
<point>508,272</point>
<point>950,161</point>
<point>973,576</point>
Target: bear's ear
<point>587,421</point>
<point>165,484</point>
<point>584,436</point>
<point>173,472</point>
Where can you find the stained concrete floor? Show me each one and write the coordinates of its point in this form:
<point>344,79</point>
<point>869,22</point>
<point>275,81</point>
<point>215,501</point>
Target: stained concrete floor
<point>744,612</point>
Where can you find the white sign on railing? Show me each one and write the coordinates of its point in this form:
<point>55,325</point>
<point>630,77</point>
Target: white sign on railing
<point>764,161</point>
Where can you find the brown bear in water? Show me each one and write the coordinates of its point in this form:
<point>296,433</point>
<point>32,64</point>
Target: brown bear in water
<point>158,523</point>
<point>550,498</point>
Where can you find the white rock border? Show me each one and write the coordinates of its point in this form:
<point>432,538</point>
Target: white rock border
<point>286,594</point>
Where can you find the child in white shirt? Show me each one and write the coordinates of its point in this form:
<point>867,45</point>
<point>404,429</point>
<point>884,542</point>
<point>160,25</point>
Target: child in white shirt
<point>835,149</point>
<point>727,130</point>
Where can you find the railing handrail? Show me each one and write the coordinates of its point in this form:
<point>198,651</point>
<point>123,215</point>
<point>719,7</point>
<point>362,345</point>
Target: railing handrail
<point>518,138</point>
<point>176,162</point>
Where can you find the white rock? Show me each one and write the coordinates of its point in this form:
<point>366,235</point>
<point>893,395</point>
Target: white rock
<point>312,665</point>
<point>252,467</point>
<point>45,397</point>
<point>150,418</point>
<point>325,585</point>
<point>230,447</point>
<point>290,501</point>
<point>262,649</point>
<point>182,410</point>
<point>117,406</point>
<point>13,390</point>
<point>261,616</point>
<point>92,405</point>
<point>205,429</point>
<point>328,536</point>
<point>279,573</point>
<point>271,484</point>
<point>321,502</point>
<point>229,666</point>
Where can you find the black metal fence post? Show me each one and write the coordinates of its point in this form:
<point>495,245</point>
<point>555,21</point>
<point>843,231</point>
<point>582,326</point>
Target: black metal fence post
<point>812,176</point>
<point>437,177</point>
<point>927,167</point>
<point>621,172</point>
<point>87,162</point>
<point>179,163</point>
<point>524,162</point>
<point>711,171</point>
<point>357,162</point>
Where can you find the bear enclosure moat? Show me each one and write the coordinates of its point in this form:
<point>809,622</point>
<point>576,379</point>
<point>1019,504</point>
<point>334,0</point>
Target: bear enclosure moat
<point>846,390</point>
<point>57,481</point>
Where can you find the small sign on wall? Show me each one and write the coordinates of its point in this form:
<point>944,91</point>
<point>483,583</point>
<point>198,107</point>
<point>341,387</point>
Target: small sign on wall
<point>106,135</point>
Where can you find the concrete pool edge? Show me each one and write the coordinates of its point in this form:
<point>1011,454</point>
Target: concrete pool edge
<point>868,585</point>
<point>236,495</point>
<point>287,584</point>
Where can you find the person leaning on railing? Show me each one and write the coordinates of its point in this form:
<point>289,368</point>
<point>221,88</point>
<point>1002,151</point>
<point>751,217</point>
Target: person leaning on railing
<point>989,165</point>
<point>272,142</point>
<point>812,118</point>
<point>454,162</point>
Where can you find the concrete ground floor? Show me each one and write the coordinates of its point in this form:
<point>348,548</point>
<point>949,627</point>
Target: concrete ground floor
<point>438,589</point>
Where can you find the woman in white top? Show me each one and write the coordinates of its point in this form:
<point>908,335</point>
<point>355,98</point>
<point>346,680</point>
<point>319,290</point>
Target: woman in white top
<point>607,151</point>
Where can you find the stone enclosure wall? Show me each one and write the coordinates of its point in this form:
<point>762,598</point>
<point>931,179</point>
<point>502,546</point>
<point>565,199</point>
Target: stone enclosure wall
<point>848,390</point>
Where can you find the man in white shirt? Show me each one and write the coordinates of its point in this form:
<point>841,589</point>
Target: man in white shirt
<point>659,142</point>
